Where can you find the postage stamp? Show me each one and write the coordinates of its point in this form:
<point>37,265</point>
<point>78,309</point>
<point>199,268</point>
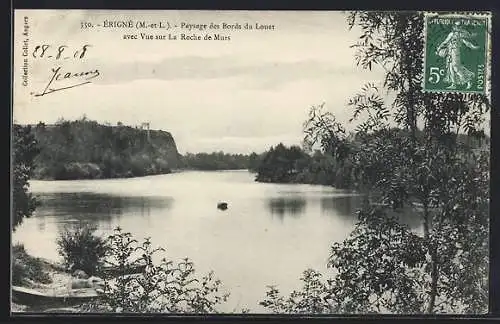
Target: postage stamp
<point>456,52</point>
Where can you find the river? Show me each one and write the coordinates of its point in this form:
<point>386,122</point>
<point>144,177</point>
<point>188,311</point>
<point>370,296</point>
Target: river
<point>269,234</point>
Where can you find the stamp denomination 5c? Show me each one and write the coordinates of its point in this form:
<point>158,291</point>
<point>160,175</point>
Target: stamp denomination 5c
<point>456,51</point>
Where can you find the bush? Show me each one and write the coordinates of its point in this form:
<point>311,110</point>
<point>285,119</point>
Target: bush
<point>312,298</point>
<point>166,287</point>
<point>82,249</point>
<point>26,267</point>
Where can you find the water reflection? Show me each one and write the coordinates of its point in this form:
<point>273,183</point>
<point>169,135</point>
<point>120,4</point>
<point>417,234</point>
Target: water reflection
<point>286,206</point>
<point>41,225</point>
<point>93,208</point>
<point>348,205</point>
<point>345,206</point>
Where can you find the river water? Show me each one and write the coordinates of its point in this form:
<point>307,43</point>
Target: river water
<point>269,234</point>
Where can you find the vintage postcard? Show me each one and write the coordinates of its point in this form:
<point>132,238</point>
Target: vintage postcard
<point>277,162</point>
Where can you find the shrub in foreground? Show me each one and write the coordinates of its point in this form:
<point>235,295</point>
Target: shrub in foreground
<point>81,249</point>
<point>166,287</point>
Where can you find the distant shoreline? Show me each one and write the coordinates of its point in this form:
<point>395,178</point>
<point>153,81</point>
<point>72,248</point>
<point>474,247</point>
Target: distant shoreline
<point>141,176</point>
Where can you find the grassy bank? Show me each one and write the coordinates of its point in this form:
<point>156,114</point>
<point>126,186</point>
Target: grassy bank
<point>35,273</point>
<point>28,270</point>
<point>165,287</point>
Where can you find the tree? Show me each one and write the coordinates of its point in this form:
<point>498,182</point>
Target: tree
<point>281,164</point>
<point>25,149</point>
<point>383,266</point>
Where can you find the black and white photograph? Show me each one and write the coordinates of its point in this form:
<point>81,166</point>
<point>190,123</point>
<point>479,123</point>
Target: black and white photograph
<point>250,162</point>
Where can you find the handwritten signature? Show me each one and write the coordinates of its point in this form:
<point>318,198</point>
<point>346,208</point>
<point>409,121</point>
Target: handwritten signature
<point>77,79</point>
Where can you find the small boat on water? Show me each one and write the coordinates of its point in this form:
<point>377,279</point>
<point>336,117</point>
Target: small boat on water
<point>31,297</point>
<point>222,205</point>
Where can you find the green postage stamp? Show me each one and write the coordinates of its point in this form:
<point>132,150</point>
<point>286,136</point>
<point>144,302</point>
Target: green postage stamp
<point>456,53</point>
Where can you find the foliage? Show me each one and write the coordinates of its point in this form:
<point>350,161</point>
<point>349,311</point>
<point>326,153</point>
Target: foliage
<point>359,169</point>
<point>25,149</point>
<point>27,268</point>
<point>218,161</point>
<point>383,266</point>
<point>321,169</point>
<point>460,237</point>
<point>84,149</point>
<point>281,164</point>
<point>254,161</point>
<point>322,127</point>
<point>166,287</point>
<point>81,249</point>
<point>312,298</point>
<point>378,267</point>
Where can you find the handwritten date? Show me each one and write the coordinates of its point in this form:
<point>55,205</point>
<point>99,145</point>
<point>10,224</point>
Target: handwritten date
<point>59,52</point>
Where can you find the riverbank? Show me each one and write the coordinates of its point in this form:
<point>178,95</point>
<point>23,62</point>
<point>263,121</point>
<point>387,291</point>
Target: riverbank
<point>38,274</point>
<point>92,171</point>
<point>131,176</point>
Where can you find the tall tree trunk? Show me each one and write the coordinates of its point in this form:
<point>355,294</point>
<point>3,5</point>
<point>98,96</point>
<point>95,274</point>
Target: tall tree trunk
<point>434,281</point>
<point>434,262</point>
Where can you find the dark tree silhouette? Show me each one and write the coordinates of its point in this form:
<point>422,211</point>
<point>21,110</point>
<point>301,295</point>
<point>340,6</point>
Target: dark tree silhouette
<point>25,149</point>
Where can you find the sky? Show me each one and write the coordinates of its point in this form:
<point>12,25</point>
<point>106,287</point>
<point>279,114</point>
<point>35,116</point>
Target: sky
<point>237,96</point>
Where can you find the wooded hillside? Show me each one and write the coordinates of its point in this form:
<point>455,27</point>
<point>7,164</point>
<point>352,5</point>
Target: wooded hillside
<point>84,149</point>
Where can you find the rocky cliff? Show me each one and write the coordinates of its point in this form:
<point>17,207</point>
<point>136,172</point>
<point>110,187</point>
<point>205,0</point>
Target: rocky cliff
<point>85,149</point>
